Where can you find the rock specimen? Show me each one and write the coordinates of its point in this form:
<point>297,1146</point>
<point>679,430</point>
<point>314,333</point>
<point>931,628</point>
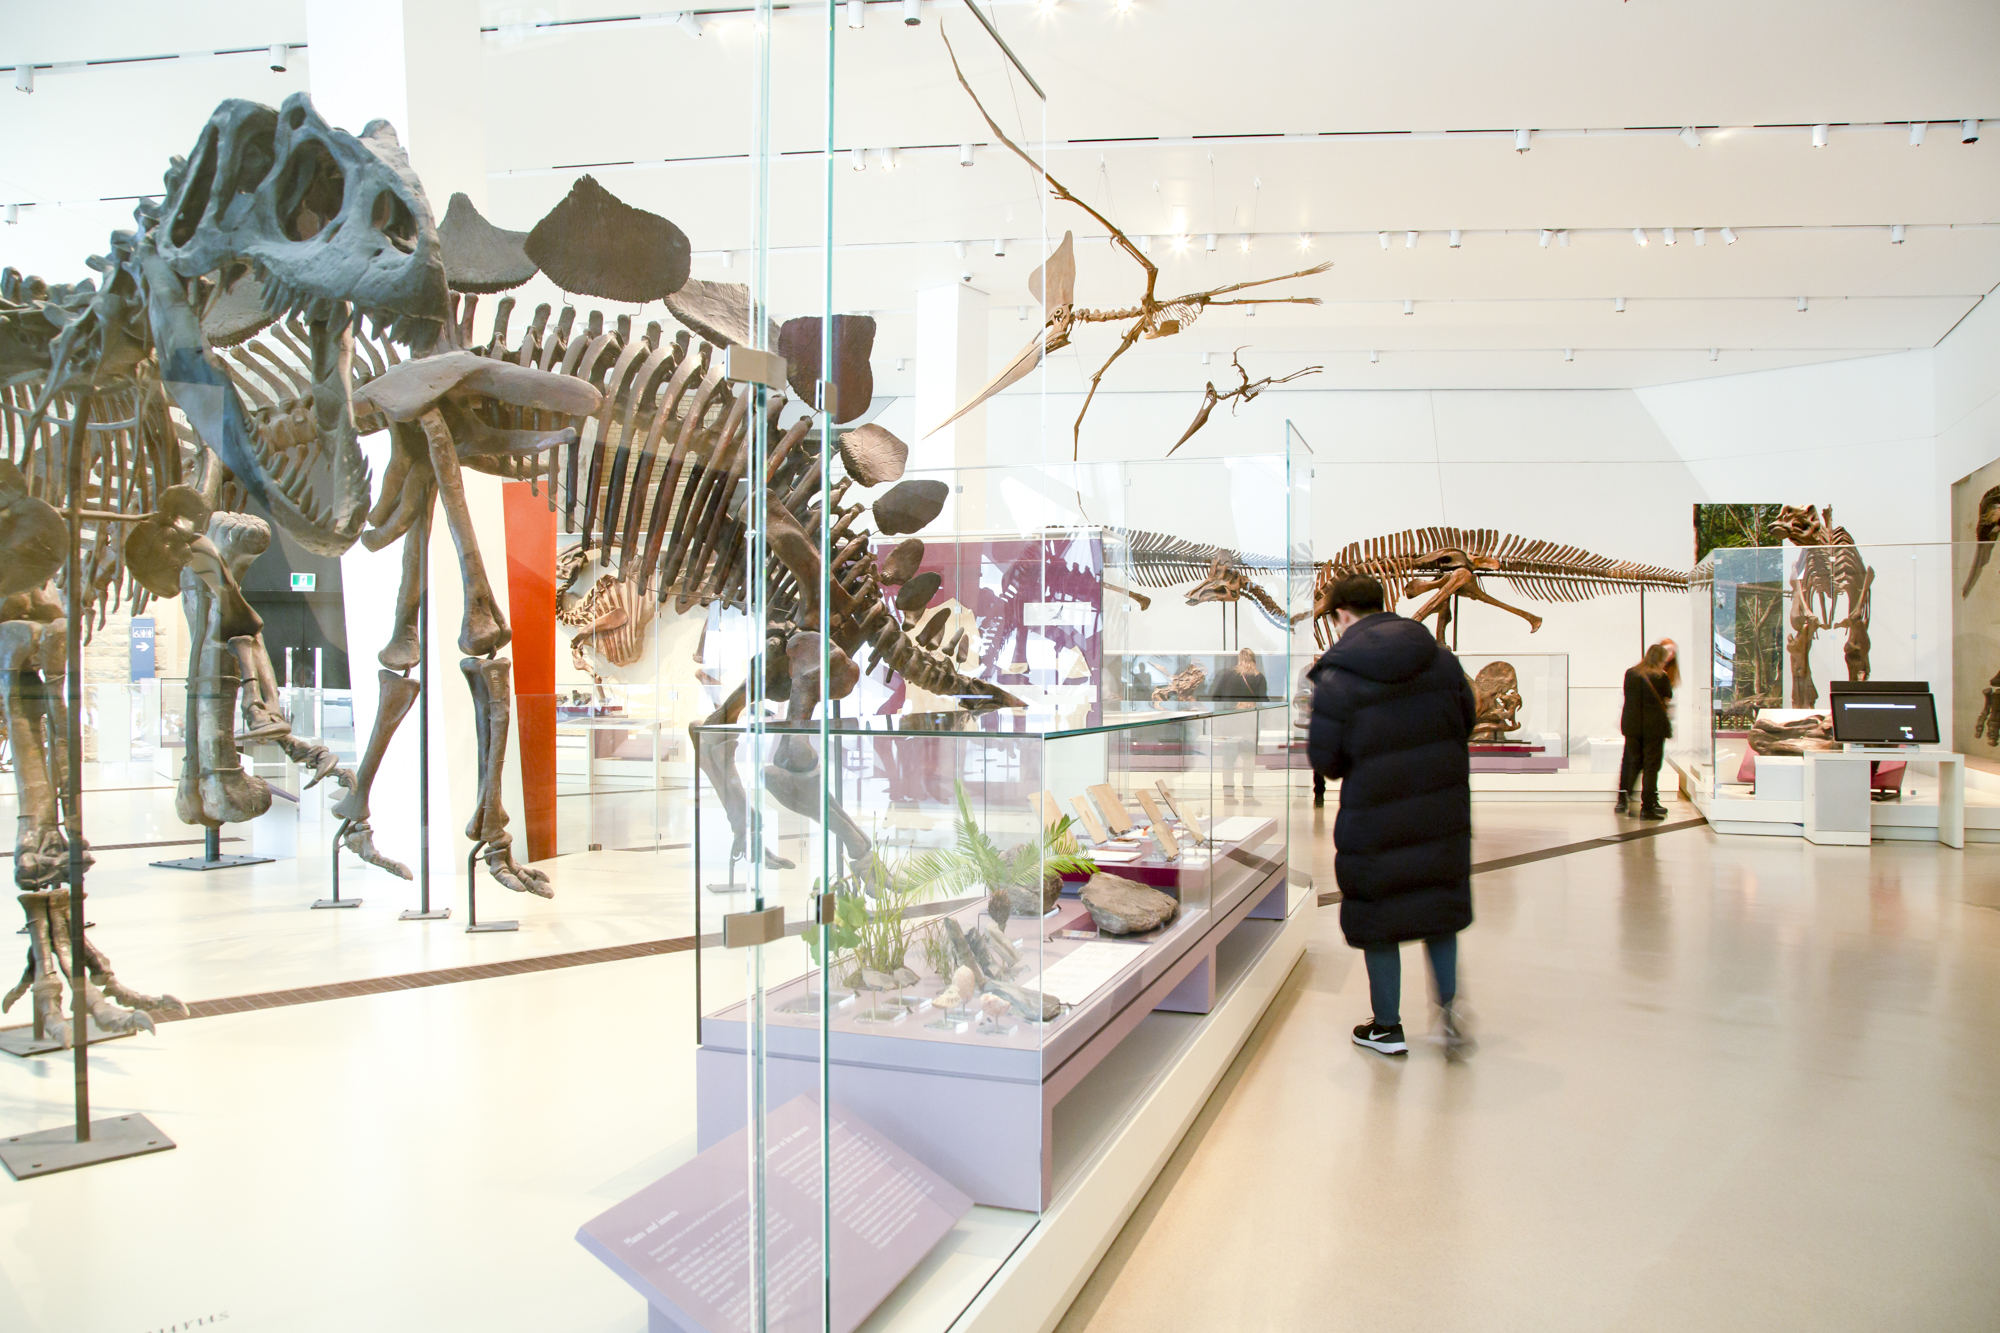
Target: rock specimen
<point>1121,906</point>
<point>1030,901</point>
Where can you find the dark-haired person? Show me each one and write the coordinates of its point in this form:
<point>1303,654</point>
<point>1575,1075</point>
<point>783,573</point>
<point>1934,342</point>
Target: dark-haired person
<point>1243,684</point>
<point>1392,715</point>
<point>1647,722</point>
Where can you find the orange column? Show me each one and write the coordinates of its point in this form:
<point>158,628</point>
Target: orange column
<point>531,608</point>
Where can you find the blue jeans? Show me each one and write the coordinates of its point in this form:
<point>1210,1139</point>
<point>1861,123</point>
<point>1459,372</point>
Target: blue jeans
<point>1385,976</point>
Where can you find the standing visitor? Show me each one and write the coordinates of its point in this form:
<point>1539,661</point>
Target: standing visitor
<point>1244,685</point>
<point>1302,713</point>
<point>1392,715</point>
<point>1647,722</point>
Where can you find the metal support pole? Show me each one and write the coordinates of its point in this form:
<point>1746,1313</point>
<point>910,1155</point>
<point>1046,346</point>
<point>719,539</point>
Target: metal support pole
<point>334,862</point>
<point>424,911</point>
<point>473,925</point>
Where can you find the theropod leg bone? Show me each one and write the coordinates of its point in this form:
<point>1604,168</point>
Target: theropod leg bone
<point>485,628</point>
<point>398,693</point>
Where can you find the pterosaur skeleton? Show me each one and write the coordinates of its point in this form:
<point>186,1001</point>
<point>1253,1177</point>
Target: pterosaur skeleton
<point>1054,285</point>
<point>1237,396</point>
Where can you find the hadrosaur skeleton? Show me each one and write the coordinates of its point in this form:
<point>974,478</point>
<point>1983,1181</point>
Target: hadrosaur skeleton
<point>1054,284</point>
<point>1830,576</point>
<point>1444,564</point>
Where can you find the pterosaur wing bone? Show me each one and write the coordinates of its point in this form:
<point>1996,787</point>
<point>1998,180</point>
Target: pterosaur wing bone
<point>1048,340</point>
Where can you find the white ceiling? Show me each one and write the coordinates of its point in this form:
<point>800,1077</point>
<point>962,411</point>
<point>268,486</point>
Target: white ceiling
<point>1363,94</point>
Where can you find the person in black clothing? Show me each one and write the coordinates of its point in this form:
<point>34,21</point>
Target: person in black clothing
<point>1242,683</point>
<point>1392,715</point>
<point>1647,722</point>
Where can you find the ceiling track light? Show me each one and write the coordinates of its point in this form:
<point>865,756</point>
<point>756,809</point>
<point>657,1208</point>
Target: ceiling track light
<point>965,155</point>
<point>1522,140</point>
<point>1305,240</point>
<point>1690,136</point>
<point>899,363</point>
<point>1917,128</point>
<point>999,248</point>
<point>24,78</point>
<point>1569,354</point>
<point>690,23</point>
<point>1701,236</point>
<point>887,157</point>
<point>1714,353</point>
<point>1618,304</point>
<point>1454,238</point>
<point>1639,235</point>
<point>1967,133</point>
<point>281,57</point>
<point>858,158</point>
<point>1208,242</point>
<point>1244,243</point>
<point>1204,358</point>
<point>1409,240</point>
<point>1024,312</point>
<point>1666,235</point>
<point>1544,239</point>
<point>1802,305</point>
<point>911,16</point>
<point>857,13</point>
<point>1145,245</point>
<point>1123,6</point>
<point>1728,236</point>
<point>13,215</point>
<point>1896,234</point>
<point>1409,307</point>
<point>1374,358</point>
<point>1819,135</point>
<point>959,248</point>
<point>1562,239</point>
<point>729,259</point>
<point>1382,239</point>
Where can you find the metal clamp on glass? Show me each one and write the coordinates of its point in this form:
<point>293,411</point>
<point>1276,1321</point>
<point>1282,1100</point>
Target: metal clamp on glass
<point>740,930</point>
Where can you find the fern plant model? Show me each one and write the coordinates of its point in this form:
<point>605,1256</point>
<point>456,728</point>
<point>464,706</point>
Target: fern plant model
<point>1028,876</point>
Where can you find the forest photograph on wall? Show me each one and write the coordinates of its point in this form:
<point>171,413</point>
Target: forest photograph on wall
<point>1749,607</point>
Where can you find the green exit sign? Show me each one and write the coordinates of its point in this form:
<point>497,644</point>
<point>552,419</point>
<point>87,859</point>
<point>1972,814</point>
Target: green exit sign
<point>303,582</point>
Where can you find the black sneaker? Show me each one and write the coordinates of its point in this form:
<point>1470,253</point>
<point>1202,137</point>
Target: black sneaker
<point>1456,1033</point>
<point>1619,808</point>
<point>1653,812</point>
<point>1387,1040</point>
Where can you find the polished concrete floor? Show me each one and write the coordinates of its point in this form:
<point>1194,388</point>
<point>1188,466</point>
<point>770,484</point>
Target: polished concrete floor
<point>1739,1083</point>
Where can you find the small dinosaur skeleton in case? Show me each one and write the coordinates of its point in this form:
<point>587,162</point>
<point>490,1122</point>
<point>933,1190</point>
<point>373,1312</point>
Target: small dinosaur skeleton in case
<point>1449,563</point>
<point>1054,285</point>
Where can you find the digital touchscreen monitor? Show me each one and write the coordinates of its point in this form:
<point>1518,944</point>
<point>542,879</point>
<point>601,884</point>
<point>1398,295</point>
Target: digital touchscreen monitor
<point>1885,718</point>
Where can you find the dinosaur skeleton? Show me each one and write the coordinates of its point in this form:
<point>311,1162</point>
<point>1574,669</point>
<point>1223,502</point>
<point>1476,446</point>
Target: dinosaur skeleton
<point>656,482</point>
<point>1054,285</point>
<point>1830,572</point>
<point>609,621</point>
<point>1239,395</point>
<point>1448,563</point>
<point>1985,531</point>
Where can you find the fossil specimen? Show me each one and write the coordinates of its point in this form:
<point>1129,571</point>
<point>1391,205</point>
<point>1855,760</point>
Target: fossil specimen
<point>1830,577</point>
<point>1054,285</point>
<point>1985,531</point>
<point>1496,693</point>
<point>1237,396</point>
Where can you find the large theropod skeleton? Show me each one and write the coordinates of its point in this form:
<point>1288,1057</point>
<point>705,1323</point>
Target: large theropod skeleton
<point>277,222</point>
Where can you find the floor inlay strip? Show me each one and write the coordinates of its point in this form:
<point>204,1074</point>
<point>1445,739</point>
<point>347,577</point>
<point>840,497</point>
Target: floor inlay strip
<point>1571,848</point>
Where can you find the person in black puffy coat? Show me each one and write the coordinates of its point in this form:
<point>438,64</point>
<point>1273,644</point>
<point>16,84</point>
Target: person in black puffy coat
<point>1392,712</point>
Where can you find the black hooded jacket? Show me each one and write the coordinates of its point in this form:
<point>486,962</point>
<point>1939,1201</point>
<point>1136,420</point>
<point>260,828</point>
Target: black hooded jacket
<point>1392,711</point>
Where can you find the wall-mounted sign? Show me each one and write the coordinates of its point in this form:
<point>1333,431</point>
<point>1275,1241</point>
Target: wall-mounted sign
<point>304,582</point>
<point>142,647</point>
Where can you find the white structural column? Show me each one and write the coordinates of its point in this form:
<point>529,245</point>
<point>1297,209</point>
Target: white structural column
<point>951,367</point>
<point>418,65</point>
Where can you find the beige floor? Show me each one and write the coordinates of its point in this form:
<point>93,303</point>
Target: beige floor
<point>1733,1083</point>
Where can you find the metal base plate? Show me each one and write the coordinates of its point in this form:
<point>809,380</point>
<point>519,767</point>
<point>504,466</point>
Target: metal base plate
<point>319,903</point>
<point>53,1150</point>
<point>23,1042</point>
<point>442,914</point>
<point>219,863</point>
<point>485,926</point>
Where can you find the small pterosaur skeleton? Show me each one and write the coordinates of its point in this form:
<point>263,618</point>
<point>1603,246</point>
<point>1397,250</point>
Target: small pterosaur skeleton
<point>1054,285</point>
<point>1238,396</point>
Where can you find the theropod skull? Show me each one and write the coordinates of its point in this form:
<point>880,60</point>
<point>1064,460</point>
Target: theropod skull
<point>334,227</point>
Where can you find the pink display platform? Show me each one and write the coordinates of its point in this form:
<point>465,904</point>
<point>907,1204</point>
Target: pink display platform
<point>976,1106</point>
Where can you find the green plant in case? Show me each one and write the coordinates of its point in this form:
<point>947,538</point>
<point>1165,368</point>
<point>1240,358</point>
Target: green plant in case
<point>974,861</point>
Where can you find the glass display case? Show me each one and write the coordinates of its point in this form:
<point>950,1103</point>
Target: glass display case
<point>1757,699</point>
<point>1523,703</point>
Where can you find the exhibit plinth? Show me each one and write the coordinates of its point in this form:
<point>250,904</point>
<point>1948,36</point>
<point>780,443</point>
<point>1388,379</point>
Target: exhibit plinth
<point>48,1151</point>
<point>215,863</point>
<point>23,1042</point>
